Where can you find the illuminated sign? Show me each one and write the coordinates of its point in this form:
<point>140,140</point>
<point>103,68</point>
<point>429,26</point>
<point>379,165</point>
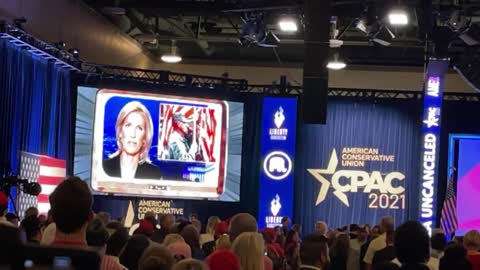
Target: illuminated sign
<point>278,133</point>
<point>385,190</point>
<point>277,165</point>
<point>278,154</point>
<point>432,106</point>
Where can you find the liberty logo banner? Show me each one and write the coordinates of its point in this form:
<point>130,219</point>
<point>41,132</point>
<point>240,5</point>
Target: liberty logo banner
<point>278,154</point>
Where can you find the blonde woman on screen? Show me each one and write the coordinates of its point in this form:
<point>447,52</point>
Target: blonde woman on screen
<point>249,247</point>
<point>134,133</point>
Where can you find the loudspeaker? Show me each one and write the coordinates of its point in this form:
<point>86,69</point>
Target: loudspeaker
<point>315,73</point>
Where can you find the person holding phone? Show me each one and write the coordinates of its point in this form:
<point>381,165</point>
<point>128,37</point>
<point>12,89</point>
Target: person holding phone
<point>134,133</point>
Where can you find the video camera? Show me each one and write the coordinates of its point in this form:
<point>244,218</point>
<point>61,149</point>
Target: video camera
<point>9,180</point>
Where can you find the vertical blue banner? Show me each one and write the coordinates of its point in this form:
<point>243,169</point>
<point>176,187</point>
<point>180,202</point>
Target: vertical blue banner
<point>432,108</point>
<point>279,123</point>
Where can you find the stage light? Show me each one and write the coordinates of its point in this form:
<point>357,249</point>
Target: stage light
<point>75,52</point>
<point>336,63</point>
<point>288,24</point>
<point>172,57</point>
<point>398,17</point>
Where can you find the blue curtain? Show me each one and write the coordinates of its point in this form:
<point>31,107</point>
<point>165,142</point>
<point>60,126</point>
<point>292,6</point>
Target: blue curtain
<point>35,106</point>
<point>392,127</point>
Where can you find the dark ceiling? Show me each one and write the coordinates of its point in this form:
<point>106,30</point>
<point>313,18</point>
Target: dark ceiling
<point>207,31</point>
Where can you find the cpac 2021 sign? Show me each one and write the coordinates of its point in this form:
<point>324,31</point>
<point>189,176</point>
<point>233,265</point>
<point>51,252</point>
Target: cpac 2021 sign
<point>385,190</point>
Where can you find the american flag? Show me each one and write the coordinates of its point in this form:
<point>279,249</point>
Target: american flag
<point>205,124</point>
<point>47,171</point>
<point>448,221</point>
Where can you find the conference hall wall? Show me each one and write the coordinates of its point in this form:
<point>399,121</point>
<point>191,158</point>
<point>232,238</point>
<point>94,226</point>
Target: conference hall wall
<point>362,165</point>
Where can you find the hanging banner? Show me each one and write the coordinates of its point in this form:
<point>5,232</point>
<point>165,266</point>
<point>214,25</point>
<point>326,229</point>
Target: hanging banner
<point>278,155</point>
<point>432,108</point>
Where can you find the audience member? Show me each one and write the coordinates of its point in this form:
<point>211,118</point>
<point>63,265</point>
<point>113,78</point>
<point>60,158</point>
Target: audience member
<point>471,242</point>
<point>3,209</point>
<point>285,223</point>
<point>223,259</point>
<point>412,246</point>
<point>155,257</point>
<point>193,216</point>
<point>438,242</point>
<point>241,223</point>
<point>191,236</point>
<point>173,238</point>
<point>180,251</point>
<point>198,225</point>
<point>292,241</point>
<point>166,224</point>
<point>386,254</point>
<point>133,250</point>
<point>97,236</point>
<point>223,242</point>
<point>190,264</point>
<point>314,252</point>
<point>455,258</point>
<point>209,234</point>
<point>31,227</point>
<point>9,234</point>
<point>249,248</point>
<point>298,229</point>
<point>71,226</point>
<point>12,218</point>
<point>104,217</point>
<point>31,211</point>
<point>245,222</point>
<point>220,229</point>
<point>378,243</point>
<point>339,252</point>
<point>145,227</point>
<point>116,242</point>
<point>281,236</point>
<point>48,235</point>
<point>321,228</point>
<point>371,235</point>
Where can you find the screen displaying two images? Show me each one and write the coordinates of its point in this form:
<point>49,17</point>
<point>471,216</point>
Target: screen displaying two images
<point>144,144</point>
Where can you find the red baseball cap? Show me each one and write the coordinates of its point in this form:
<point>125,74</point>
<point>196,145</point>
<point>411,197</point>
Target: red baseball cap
<point>3,199</point>
<point>223,259</point>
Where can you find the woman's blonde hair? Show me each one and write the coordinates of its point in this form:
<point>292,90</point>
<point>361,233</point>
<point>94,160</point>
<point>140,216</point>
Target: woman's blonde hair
<point>135,106</point>
<point>212,221</point>
<point>471,240</point>
<point>223,242</point>
<point>249,247</point>
<point>173,238</point>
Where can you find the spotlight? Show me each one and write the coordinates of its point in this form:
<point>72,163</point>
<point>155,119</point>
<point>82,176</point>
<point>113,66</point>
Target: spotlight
<point>60,45</point>
<point>172,57</point>
<point>288,24</point>
<point>398,17</point>
<point>336,63</point>
<point>75,52</point>
<point>254,31</point>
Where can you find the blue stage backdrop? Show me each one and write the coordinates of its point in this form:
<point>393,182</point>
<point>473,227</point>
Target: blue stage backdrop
<point>362,165</point>
<point>35,106</point>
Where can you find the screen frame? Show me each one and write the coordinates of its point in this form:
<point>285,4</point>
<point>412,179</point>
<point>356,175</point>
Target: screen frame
<point>129,86</point>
